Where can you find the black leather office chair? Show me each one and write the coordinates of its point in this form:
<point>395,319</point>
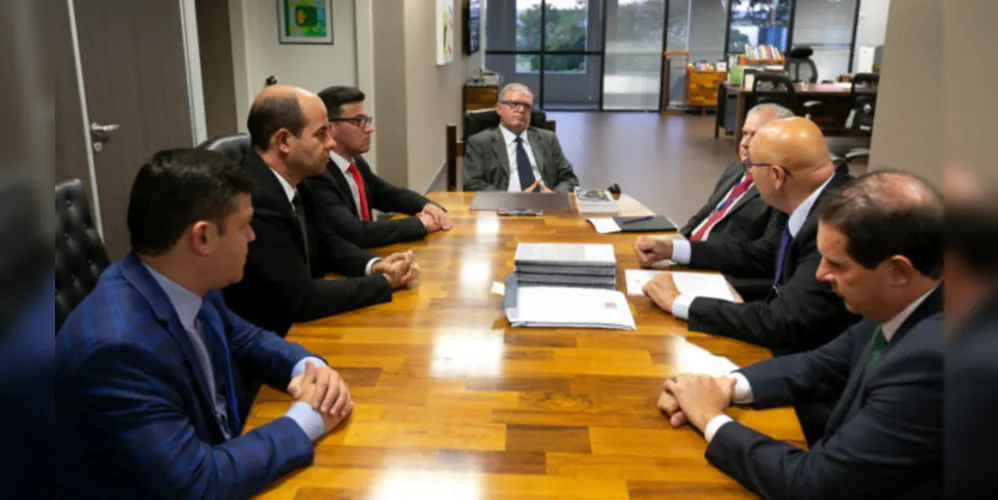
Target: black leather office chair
<point>777,89</point>
<point>799,65</point>
<point>864,98</point>
<point>80,256</point>
<point>235,146</point>
<point>483,119</point>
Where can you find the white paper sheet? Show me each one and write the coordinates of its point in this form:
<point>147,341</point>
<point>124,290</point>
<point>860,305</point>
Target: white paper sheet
<point>699,284</point>
<point>688,357</point>
<point>604,225</point>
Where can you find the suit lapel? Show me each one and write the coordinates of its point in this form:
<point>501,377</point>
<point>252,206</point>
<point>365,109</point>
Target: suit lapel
<point>335,175</point>
<point>851,396</point>
<point>135,273</point>
<point>538,151</point>
<point>499,147</point>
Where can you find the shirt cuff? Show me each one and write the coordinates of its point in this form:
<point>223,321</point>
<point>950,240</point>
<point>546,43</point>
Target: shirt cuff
<point>368,271</point>
<point>714,425</point>
<point>681,252</point>
<point>681,306</point>
<point>742,393</point>
<point>300,365</point>
<point>308,419</point>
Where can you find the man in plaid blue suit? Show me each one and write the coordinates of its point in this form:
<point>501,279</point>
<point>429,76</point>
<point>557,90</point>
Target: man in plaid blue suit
<point>150,364</point>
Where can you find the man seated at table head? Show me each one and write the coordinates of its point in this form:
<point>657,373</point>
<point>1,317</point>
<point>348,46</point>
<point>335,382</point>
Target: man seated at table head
<point>285,269</point>
<point>791,169</point>
<point>149,364</point>
<point>881,244</point>
<point>516,156</point>
<point>347,191</point>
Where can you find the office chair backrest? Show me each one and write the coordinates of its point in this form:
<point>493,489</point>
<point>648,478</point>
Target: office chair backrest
<point>864,97</point>
<point>80,256</point>
<point>778,89</point>
<point>484,119</point>
<point>800,66</point>
<point>235,146</point>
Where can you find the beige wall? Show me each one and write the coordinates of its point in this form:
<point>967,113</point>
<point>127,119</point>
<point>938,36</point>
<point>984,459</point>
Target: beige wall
<point>416,99</point>
<point>257,53</point>
<point>969,109</point>
<point>908,132</point>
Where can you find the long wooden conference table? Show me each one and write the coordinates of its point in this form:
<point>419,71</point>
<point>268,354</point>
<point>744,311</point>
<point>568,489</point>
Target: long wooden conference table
<point>451,402</point>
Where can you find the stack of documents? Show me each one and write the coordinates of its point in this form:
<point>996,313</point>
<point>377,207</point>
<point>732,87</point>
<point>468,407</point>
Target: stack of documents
<point>595,201</point>
<point>565,265</point>
<point>555,307</point>
<point>696,284</point>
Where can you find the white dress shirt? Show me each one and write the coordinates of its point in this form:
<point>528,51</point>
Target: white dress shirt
<point>681,306</point>
<point>344,165</point>
<point>742,393</point>
<point>290,191</point>
<point>514,173</point>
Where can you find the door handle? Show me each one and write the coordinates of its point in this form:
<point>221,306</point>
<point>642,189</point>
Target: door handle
<point>97,128</point>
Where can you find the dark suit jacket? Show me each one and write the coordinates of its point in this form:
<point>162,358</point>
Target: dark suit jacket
<point>142,423</point>
<point>278,288</point>
<point>803,314</point>
<point>486,161</point>
<point>884,438</point>
<point>336,209</point>
<point>971,405</point>
<point>745,220</point>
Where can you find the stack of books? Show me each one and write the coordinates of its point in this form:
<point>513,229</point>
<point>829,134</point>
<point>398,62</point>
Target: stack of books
<point>564,285</point>
<point>595,201</point>
<point>565,265</point>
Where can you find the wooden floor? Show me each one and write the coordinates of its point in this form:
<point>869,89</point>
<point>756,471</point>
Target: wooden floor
<point>669,162</point>
<point>452,403</point>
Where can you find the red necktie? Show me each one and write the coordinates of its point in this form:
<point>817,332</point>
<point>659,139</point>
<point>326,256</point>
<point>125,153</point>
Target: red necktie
<point>730,200</point>
<point>365,214</point>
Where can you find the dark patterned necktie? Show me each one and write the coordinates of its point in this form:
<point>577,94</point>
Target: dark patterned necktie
<point>302,225</point>
<point>523,168</point>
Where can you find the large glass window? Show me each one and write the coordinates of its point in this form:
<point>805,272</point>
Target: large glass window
<point>758,22</point>
<point>634,33</point>
<point>827,27</point>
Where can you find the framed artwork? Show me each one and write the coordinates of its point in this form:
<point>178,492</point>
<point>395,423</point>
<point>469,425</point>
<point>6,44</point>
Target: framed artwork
<point>445,31</point>
<point>305,21</point>
<point>472,26</point>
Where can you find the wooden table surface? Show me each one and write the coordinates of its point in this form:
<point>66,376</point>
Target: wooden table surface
<point>453,403</point>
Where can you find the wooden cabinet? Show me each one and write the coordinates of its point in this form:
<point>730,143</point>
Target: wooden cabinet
<point>480,97</point>
<point>701,88</point>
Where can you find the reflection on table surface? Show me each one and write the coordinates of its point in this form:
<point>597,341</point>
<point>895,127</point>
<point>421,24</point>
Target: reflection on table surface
<point>453,403</point>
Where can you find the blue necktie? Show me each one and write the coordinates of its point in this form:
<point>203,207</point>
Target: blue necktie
<point>784,244</point>
<point>523,168</point>
<point>221,364</point>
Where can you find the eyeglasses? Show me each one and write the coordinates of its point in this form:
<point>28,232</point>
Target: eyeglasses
<point>360,121</point>
<point>747,166</point>
<point>517,105</point>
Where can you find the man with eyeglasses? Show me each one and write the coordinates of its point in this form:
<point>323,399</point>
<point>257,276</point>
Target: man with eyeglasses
<point>790,165</point>
<point>515,156</point>
<point>348,190</point>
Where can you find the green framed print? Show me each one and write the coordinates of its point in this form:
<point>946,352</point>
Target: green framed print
<point>305,21</point>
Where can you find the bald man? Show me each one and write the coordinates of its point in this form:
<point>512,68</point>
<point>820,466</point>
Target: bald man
<point>791,169</point>
<point>284,276</point>
<point>881,248</point>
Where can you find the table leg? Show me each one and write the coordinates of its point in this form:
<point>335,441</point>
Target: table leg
<point>739,119</point>
<point>722,97</point>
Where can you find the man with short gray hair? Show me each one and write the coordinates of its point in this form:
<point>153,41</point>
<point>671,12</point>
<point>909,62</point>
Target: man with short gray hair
<point>515,156</point>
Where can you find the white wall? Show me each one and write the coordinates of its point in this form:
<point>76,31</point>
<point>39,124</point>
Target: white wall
<point>872,27</point>
<point>258,54</point>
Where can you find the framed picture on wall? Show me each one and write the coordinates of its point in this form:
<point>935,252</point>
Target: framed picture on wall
<point>445,31</point>
<point>305,21</point>
<point>472,26</point>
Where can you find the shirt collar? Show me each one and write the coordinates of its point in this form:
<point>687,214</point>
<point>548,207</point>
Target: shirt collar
<point>892,325</point>
<point>799,215</point>
<point>289,190</point>
<point>185,302</point>
<point>340,161</point>
<point>509,137</point>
